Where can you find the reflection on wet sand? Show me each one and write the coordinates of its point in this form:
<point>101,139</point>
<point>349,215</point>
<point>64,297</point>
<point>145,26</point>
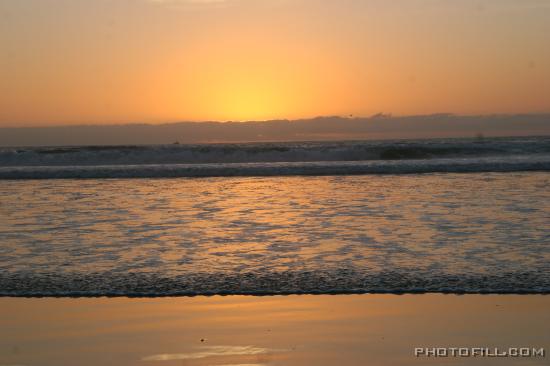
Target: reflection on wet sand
<point>267,331</point>
<point>213,351</point>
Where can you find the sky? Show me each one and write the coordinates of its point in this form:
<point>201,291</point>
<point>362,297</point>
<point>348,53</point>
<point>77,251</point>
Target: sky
<point>65,62</point>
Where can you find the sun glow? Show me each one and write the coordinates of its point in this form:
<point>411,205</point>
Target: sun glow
<point>243,76</point>
<point>247,101</point>
<point>251,86</point>
<point>175,60</point>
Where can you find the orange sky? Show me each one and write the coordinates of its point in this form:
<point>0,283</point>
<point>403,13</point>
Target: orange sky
<point>112,61</point>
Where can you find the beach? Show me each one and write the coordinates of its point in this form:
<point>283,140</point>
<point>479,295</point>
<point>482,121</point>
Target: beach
<point>274,182</point>
<point>270,265</point>
<point>272,330</point>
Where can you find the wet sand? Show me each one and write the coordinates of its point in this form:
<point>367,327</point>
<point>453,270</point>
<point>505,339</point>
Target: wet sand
<point>278,330</point>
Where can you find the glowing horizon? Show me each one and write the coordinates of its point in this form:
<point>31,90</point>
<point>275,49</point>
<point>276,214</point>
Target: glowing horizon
<point>158,61</point>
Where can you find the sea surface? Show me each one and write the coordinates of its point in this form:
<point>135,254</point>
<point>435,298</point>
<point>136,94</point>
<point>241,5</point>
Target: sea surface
<point>451,216</point>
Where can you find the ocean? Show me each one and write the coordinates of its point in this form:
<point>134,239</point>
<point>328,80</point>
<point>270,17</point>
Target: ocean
<point>404,216</point>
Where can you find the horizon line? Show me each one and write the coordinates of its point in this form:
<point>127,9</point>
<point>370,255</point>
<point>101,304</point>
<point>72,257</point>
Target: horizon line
<point>381,115</point>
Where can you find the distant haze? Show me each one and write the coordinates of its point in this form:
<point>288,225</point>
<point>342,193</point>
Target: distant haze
<point>322,128</point>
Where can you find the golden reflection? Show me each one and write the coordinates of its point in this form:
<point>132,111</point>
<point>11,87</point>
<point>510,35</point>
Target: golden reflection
<point>265,225</point>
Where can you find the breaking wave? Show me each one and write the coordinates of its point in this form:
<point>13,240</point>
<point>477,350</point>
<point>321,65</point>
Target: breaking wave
<point>273,152</point>
<point>274,159</point>
<point>479,165</point>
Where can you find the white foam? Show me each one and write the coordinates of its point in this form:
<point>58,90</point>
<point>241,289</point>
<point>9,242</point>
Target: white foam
<point>461,165</point>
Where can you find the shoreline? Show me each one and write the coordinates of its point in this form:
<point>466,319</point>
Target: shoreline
<point>275,294</point>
